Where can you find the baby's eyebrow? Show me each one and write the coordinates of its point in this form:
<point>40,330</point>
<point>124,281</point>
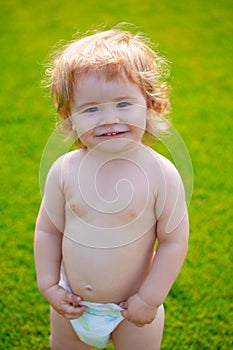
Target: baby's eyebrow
<point>93,103</point>
<point>124,98</point>
<point>87,104</point>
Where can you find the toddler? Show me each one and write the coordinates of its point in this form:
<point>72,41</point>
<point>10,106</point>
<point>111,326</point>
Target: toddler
<point>110,202</point>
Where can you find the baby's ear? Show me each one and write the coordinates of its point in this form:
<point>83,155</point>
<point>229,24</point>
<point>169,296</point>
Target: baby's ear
<point>161,106</point>
<point>156,106</point>
<point>149,103</point>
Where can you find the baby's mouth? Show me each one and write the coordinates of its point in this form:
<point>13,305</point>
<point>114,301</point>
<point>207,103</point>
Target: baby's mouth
<point>113,133</point>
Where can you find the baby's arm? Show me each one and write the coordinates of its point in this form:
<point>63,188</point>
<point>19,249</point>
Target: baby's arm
<point>48,250</point>
<point>172,234</point>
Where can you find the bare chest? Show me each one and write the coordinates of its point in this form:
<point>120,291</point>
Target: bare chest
<point>116,192</point>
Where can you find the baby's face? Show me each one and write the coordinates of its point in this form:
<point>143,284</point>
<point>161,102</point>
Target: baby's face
<point>105,109</point>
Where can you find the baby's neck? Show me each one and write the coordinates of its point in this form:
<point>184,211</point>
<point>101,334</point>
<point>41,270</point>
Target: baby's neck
<point>116,148</point>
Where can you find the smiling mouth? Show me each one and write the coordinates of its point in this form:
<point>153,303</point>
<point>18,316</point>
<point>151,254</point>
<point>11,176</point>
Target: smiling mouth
<point>114,133</point>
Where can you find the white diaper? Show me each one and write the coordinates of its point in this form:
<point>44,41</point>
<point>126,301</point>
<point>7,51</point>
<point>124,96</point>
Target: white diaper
<point>97,322</point>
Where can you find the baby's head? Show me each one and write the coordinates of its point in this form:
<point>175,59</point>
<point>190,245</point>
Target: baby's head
<point>115,54</point>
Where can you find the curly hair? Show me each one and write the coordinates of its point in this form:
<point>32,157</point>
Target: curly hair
<point>115,53</point>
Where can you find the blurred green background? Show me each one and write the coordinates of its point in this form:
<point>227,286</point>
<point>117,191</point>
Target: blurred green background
<point>196,37</point>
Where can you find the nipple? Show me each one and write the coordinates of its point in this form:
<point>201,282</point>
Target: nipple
<point>77,210</point>
<point>133,213</point>
<point>73,208</point>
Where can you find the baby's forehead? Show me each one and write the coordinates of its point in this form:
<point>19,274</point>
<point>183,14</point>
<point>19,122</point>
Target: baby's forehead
<point>104,74</point>
<point>95,78</point>
<point>100,88</point>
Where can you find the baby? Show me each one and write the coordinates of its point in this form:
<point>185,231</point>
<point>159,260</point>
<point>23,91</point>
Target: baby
<point>110,202</point>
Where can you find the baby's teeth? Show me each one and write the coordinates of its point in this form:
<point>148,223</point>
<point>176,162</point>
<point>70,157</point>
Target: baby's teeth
<point>111,133</point>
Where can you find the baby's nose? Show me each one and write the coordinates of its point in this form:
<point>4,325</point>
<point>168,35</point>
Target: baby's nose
<point>109,114</point>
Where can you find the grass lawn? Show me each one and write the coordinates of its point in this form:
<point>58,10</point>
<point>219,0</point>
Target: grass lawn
<point>196,37</point>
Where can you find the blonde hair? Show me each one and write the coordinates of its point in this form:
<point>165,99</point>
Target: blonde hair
<point>115,53</point>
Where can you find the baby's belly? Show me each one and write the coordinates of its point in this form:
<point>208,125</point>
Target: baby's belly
<point>106,275</point>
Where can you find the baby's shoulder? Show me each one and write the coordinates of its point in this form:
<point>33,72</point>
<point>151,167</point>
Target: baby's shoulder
<point>69,157</point>
<point>65,163</point>
<point>164,165</point>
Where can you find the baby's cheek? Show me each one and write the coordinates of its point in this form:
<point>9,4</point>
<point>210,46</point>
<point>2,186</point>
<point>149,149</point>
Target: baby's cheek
<point>83,125</point>
<point>135,117</point>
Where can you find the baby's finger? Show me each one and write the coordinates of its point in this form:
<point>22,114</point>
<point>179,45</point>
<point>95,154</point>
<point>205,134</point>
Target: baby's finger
<point>125,314</point>
<point>72,312</point>
<point>139,324</point>
<point>72,299</point>
<point>124,305</point>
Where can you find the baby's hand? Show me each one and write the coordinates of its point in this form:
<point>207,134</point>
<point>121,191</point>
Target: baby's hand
<point>64,302</point>
<point>138,311</point>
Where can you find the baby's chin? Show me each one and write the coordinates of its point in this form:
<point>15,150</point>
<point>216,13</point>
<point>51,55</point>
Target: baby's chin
<point>116,145</point>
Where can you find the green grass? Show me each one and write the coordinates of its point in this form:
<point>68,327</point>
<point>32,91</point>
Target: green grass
<point>196,37</point>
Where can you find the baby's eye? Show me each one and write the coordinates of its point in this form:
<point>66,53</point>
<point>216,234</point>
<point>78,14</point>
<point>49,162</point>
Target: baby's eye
<point>123,104</point>
<point>91,109</point>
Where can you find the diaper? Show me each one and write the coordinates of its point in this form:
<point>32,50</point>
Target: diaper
<point>97,322</point>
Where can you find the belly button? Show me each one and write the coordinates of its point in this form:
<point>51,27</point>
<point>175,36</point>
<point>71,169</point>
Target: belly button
<point>88,288</point>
